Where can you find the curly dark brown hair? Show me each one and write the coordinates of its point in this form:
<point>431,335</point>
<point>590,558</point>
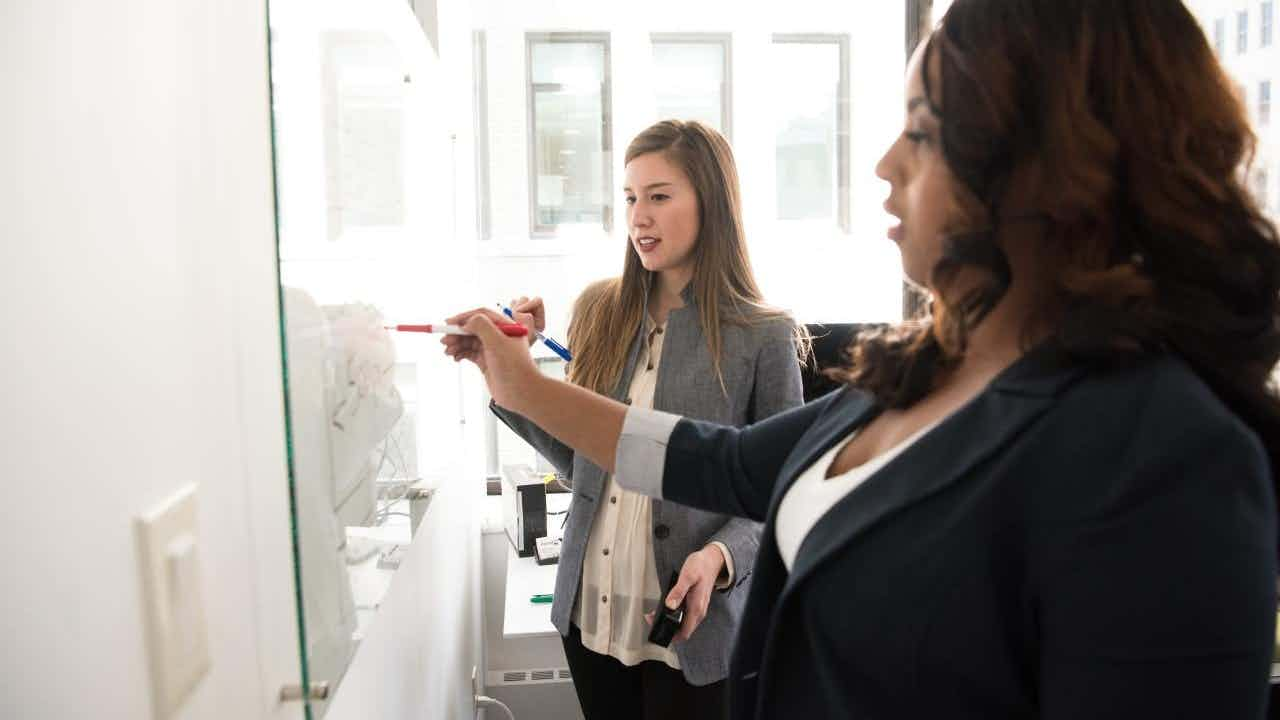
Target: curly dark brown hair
<point>1118,121</point>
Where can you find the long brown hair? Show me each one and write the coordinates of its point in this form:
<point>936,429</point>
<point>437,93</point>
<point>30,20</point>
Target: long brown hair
<point>609,313</point>
<point>1118,121</point>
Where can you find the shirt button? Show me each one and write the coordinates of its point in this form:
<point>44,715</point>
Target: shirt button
<point>627,401</point>
<point>650,367</point>
<point>613,500</point>
<point>606,551</point>
<point>604,599</point>
<point>661,532</point>
<point>658,330</point>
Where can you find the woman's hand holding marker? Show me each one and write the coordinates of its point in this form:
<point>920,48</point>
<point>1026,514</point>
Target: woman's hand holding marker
<point>531,313</point>
<point>505,361</point>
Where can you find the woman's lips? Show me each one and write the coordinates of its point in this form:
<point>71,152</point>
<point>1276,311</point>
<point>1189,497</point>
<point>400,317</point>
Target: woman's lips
<point>647,244</point>
<point>896,233</point>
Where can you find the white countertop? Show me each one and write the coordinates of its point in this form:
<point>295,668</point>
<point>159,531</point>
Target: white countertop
<point>370,583</point>
<point>526,578</point>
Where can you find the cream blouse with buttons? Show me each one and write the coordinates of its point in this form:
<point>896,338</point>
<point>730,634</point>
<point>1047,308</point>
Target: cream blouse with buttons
<point>619,575</point>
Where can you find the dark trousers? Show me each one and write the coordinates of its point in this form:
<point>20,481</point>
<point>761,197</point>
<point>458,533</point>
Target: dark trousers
<point>609,690</point>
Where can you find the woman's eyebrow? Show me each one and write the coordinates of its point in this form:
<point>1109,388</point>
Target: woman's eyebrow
<point>921,101</point>
<point>650,186</point>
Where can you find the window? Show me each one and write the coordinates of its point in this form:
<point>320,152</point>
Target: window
<point>1268,8</point>
<point>691,78</point>
<point>1242,32</point>
<point>1264,102</point>
<point>570,177</point>
<point>1219,36</point>
<point>811,122</point>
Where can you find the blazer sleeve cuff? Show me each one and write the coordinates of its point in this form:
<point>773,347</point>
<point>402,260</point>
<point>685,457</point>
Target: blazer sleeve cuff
<point>642,450</point>
<point>725,581</point>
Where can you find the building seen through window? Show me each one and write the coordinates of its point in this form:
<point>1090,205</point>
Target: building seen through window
<point>1266,21</point>
<point>1252,69</point>
<point>1264,102</point>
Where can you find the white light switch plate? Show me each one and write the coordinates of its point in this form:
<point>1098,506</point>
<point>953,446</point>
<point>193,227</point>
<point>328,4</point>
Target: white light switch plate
<point>177,632</point>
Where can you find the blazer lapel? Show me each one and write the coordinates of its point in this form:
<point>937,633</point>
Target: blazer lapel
<point>937,460</point>
<point>853,409</point>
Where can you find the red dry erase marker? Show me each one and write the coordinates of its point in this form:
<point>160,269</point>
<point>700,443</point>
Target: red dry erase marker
<point>508,329</point>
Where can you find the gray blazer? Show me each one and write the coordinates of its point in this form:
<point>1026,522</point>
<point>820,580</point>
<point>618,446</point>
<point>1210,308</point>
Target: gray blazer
<point>762,377</point>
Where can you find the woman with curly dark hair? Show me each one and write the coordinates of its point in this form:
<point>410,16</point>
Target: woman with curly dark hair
<point>1054,497</point>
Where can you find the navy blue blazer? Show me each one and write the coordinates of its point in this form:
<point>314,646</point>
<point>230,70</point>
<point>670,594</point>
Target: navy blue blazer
<point>1072,543</point>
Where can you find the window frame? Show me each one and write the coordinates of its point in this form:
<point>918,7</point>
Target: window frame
<point>844,188</point>
<point>725,41</point>
<point>532,38</point>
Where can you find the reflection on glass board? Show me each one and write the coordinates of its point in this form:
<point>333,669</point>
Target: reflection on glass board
<point>364,118</point>
<point>363,164</point>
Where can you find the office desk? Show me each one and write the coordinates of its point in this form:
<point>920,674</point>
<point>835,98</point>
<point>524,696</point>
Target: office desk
<point>526,578</point>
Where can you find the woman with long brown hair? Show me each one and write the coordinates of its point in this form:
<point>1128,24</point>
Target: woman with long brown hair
<point>1054,498</point>
<point>683,329</point>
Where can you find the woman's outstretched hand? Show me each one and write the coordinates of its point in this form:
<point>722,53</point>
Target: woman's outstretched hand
<point>505,362</point>
<point>589,423</point>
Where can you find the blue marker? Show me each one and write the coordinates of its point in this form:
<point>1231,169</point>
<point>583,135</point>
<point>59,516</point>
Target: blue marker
<point>556,347</point>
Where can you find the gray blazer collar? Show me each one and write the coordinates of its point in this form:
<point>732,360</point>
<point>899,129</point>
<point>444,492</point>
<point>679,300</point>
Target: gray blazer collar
<point>637,336</point>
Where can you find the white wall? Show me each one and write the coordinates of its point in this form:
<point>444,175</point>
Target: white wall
<point>138,298</point>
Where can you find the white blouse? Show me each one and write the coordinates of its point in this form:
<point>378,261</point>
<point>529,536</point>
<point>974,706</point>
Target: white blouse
<point>812,495</point>
<point>619,573</point>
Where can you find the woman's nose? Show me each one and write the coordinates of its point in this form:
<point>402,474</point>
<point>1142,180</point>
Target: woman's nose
<point>883,169</point>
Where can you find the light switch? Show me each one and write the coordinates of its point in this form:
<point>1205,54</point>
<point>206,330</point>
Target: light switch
<point>177,633</point>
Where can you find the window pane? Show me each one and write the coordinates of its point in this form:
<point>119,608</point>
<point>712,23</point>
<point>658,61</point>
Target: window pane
<point>1219,35</point>
<point>689,81</point>
<point>806,112</point>
<point>1264,102</point>
<point>1242,31</point>
<point>578,64</point>
<point>569,133</point>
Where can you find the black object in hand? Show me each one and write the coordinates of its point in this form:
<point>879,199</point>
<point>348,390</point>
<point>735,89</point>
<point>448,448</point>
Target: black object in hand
<point>666,622</point>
